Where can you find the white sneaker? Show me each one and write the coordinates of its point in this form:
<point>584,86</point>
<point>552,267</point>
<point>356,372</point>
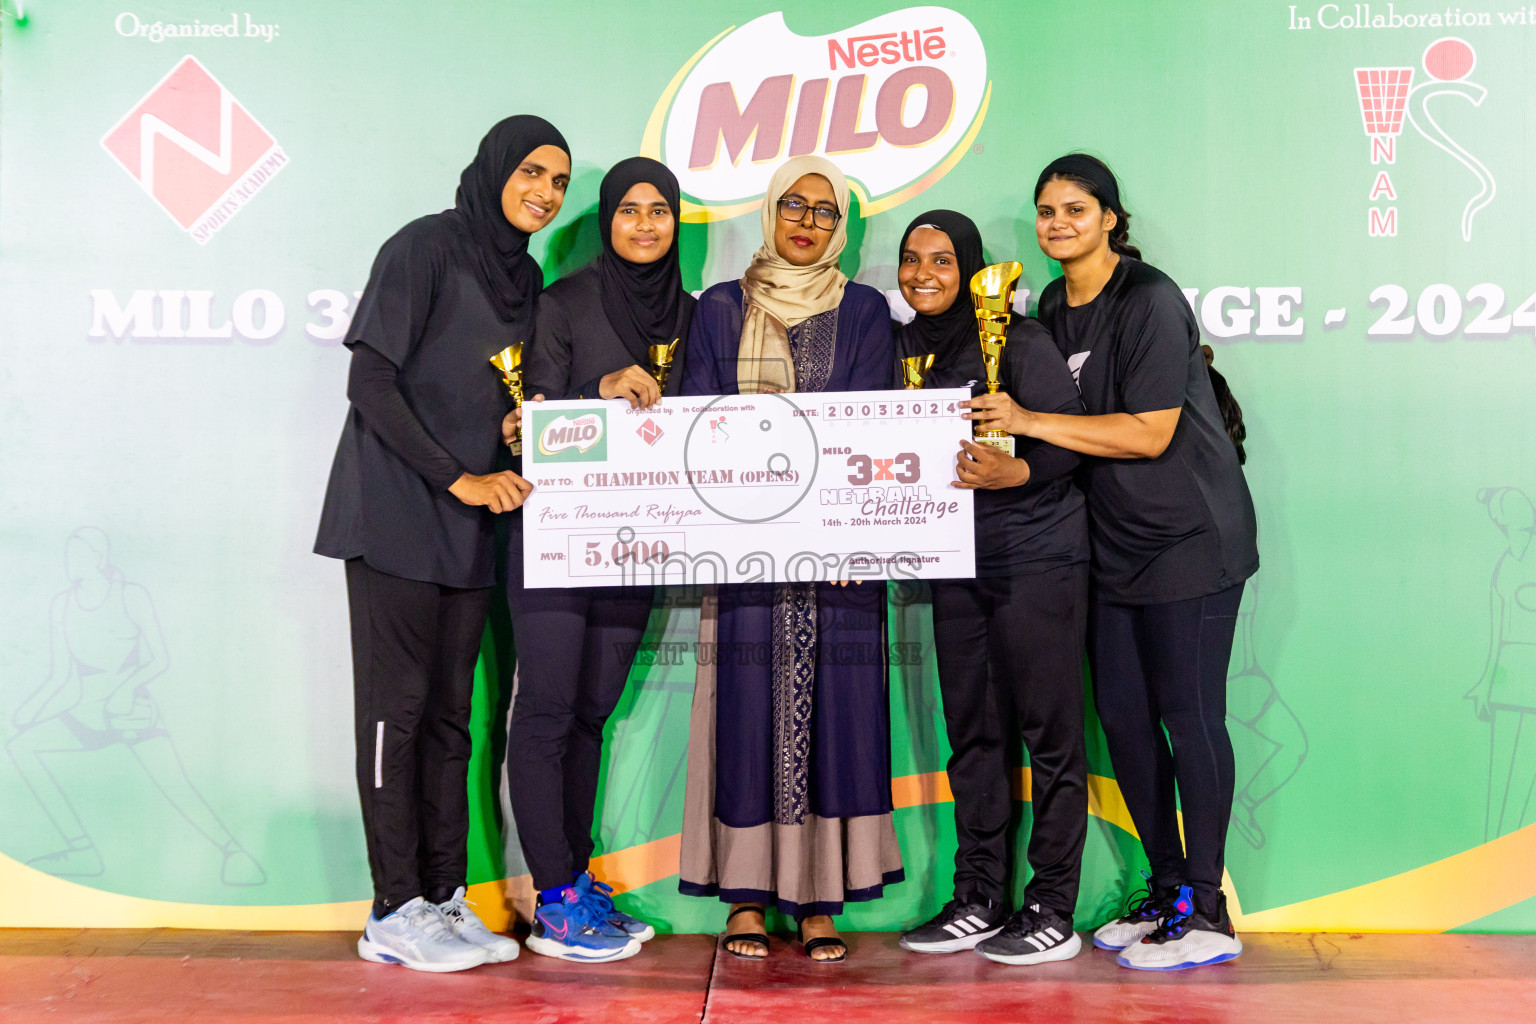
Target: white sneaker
<point>467,926</point>
<point>417,936</point>
<point>1186,939</point>
<point>1141,918</point>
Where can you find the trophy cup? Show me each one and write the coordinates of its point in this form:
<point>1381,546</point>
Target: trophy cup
<point>915,368</point>
<point>510,362</point>
<point>992,294</point>
<point>661,362</point>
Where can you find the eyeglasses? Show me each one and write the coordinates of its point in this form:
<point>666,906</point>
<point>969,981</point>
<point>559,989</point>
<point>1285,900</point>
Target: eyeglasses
<point>793,210</point>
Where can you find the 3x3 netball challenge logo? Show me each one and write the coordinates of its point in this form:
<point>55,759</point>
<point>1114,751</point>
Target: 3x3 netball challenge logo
<point>195,149</point>
<point>895,102</point>
<point>1389,99</point>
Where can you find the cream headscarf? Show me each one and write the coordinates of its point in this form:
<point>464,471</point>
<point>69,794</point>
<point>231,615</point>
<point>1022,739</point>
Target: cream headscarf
<point>779,294</point>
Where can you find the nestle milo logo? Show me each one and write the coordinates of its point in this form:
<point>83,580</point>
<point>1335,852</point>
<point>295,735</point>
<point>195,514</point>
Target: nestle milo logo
<point>895,101</point>
<point>572,436</point>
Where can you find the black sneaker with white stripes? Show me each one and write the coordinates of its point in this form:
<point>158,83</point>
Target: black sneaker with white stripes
<point>964,921</point>
<point>1033,936</point>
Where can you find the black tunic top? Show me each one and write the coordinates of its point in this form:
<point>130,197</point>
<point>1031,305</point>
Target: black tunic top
<point>1042,524</point>
<point>1181,525</point>
<point>574,345</point>
<point>425,311</point>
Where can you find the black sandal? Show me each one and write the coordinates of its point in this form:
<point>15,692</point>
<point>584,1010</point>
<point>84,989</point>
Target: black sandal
<point>822,942</point>
<point>756,938</point>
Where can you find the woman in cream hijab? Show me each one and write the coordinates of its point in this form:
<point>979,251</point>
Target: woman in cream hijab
<point>789,795</point>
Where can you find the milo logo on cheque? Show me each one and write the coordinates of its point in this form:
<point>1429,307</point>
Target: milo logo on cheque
<point>574,436</point>
<point>895,102</point>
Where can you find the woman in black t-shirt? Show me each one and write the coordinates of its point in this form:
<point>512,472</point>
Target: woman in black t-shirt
<point>1173,538</point>
<point>575,647</point>
<point>409,508</point>
<point>1011,639</point>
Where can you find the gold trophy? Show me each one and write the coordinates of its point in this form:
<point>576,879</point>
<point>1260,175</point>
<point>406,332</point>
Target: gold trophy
<point>915,368</point>
<point>510,362</point>
<point>992,294</point>
<point>661,362</point>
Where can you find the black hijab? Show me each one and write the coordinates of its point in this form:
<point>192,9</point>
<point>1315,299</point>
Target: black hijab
<point>950,335</point>
<point>497,250</point>
<point>643,301</point>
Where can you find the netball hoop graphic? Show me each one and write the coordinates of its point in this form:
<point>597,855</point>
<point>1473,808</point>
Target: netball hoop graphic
<point>106,649</point>
<point>1383,101</point>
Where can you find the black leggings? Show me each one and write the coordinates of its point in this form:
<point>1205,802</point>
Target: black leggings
<point>574,652</point>
<point>1164,666</point>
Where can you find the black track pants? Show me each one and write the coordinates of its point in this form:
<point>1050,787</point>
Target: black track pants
<point>1016,643</point>
<point>414,647</point>
<point>574,652</point>
<point>1164,666</point>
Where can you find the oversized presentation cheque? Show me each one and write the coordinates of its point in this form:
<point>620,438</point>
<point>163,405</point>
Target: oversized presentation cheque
<point>746,488</point>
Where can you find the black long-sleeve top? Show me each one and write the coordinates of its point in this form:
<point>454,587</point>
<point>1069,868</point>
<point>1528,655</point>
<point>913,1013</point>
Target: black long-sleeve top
<point>574,346</point>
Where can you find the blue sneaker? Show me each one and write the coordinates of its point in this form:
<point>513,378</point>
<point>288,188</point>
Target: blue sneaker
<point>1185,939</point>
<point>1147,908</point>
<point>574,929</point>
<point>601,896</point>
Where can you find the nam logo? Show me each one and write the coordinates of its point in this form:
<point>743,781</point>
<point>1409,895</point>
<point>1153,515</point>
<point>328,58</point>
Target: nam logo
<point>195,150</point>
<point>895,102</point>
<point>1388,97</point>
<point>577,437</point>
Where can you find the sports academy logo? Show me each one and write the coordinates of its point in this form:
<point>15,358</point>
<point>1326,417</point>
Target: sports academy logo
<point>195,150</point>
<point>1388,99</point>
<point>895,101</point>
<point>581,437</point>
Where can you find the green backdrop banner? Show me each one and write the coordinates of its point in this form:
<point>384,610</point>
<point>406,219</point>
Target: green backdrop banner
<point>190,197</point>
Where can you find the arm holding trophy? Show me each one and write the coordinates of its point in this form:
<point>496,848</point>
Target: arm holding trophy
<point>1029,367</point>
<point>1036,376</point>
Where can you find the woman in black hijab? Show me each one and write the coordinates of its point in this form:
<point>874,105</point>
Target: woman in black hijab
<point>408,508</point>
<point>1009,642</point>
<point>575,647</point>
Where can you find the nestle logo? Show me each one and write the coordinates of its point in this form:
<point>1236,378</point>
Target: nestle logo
<point>195,150</point>
<point>886,48</point>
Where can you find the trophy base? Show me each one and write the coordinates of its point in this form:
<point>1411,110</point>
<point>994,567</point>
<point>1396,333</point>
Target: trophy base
<point>1002,442</point>
<point>515,447</point>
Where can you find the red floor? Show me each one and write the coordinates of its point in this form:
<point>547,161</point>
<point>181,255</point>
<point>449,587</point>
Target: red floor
<point>255,978</point>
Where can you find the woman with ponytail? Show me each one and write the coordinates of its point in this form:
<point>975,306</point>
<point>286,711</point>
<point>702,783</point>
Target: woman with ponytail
<point>1173,538</point>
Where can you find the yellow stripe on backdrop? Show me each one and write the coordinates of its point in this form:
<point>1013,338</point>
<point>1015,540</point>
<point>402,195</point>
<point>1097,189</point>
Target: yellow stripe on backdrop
<point>1439,896</point>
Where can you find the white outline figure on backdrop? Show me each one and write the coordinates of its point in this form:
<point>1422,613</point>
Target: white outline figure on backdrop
<point>105,648</point>
<point>1255,710</point>
<point>1505,695</point>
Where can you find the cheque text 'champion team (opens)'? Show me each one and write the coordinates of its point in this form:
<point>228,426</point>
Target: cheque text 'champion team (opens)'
<point>1122,526</point>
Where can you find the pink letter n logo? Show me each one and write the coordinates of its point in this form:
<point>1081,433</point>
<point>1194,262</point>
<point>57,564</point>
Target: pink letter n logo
<point>197,152</point>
